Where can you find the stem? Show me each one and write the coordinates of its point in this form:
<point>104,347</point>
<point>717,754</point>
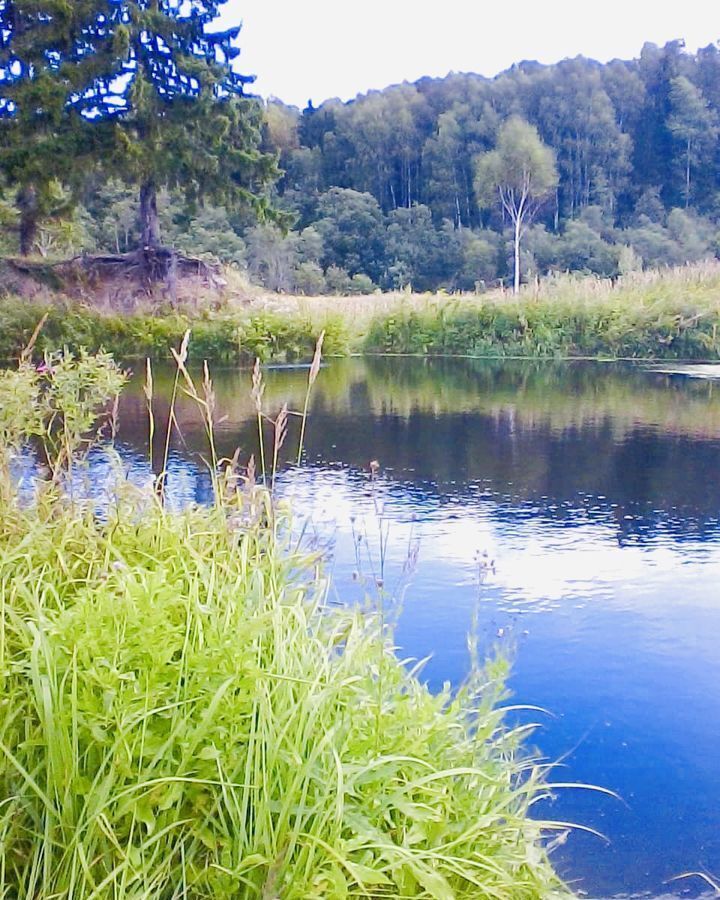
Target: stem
<point>302,424</point>
<point>27,205</point>
<point>262,447</point>
<point>516,283</point>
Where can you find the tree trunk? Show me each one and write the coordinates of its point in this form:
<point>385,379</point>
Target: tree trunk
<point>687,176</point>
<point>27,205</point>
<point>516,283</point>
<point>149,221</point>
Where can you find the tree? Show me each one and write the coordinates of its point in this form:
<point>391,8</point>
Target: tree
<point>415,249</point>
<point>386,131</point>
<point>151,78</point>
<point>520,174</point>
<point>43,136</point>
<point>353,232</point>
<point>575,115</point>
<point>692,123</point>
<point>272,256</point>
<point>182,119</point>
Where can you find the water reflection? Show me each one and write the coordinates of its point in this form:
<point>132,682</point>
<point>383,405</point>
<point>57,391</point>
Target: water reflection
<point>573,510</point>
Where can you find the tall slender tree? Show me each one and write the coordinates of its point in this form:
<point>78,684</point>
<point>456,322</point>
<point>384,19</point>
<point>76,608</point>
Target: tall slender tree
<point>519,174</point>
<point>693,124</point>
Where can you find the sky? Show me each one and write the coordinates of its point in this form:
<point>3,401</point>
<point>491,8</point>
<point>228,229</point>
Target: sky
<point>316,49</point>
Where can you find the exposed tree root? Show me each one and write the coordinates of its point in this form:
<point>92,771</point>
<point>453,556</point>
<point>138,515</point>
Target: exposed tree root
<point>120,279</point>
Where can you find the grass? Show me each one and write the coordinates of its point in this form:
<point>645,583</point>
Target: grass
<point>670,314</point>
<point>220,336</point>
<point>183,716</point>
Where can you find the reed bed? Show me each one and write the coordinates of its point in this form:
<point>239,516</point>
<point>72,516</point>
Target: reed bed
<point>668,314</point>
<point>183,715</point>
<point>673,314</point>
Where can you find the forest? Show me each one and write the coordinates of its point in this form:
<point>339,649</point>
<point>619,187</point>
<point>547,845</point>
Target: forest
<point>386,186</point>
<point>383,191</point>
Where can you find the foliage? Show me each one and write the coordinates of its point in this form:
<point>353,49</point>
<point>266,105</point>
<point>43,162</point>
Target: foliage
<point>382,187</point>
<point>351,226</point>
<point>672,314</point>
<point>668,316</point>
<point>57,403</point>
<point>272,256</point>
<point>223,336</point>
<point>519,174</point>
<point>206,233</point>
<point>43,136</point>
<point>693,124</point>
<point>146,91</point>
<point>619,134</point>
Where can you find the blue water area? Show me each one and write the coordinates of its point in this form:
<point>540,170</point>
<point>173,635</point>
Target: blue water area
<point>568,514</point>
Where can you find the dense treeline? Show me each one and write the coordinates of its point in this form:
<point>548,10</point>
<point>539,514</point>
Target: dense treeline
<point>637,155</point>
<point>383,191</point>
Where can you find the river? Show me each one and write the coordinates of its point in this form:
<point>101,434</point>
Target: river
<point>567,513</point>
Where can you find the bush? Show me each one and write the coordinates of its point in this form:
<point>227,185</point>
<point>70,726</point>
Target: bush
<point>309,279</point>
<point>338,281</point>
<point>361,284</point>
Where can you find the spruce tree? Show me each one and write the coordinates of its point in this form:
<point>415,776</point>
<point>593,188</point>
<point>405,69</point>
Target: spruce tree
<point>43,136</point>
<point>178,107</point>
<point>154,85</point>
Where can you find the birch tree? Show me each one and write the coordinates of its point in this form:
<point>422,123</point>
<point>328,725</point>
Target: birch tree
<point>694,126</point>
<point>519,175</point>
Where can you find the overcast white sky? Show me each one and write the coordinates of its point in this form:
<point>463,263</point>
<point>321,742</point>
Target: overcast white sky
<point>315,49</point>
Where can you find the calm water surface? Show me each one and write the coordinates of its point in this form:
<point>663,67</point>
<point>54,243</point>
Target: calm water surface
<point>573,510</point>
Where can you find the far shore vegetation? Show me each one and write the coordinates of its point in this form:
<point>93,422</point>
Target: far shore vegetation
<point>666,314</point>
<point>134,138</point>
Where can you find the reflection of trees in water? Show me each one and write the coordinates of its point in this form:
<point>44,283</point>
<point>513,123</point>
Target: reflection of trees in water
<point>559,394</point>
<point>559,439</point>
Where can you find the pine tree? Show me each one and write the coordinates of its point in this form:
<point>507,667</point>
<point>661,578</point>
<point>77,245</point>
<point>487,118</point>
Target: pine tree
<point>151,82</point>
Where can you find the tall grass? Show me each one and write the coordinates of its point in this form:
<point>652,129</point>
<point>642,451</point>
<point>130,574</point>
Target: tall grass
<point>670,314</point>
<point>228,335</point>
<point>182,716</point>
<point>665,315</point>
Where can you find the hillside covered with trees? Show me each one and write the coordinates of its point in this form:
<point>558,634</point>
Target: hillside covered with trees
<point>388,185</point>
<point>400,187</point>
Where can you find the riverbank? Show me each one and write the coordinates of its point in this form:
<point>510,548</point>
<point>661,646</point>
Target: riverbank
<point>183,712</point>
<point>672,314</point>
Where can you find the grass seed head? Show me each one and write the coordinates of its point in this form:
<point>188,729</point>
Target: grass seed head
<point>317,358</point>
<point>258,386</point>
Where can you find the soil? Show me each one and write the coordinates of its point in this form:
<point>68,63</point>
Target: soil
<point>118,282</point>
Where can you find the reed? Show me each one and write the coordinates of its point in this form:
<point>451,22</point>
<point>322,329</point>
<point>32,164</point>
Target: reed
<point>670,314</point>
<point>313,373</point>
